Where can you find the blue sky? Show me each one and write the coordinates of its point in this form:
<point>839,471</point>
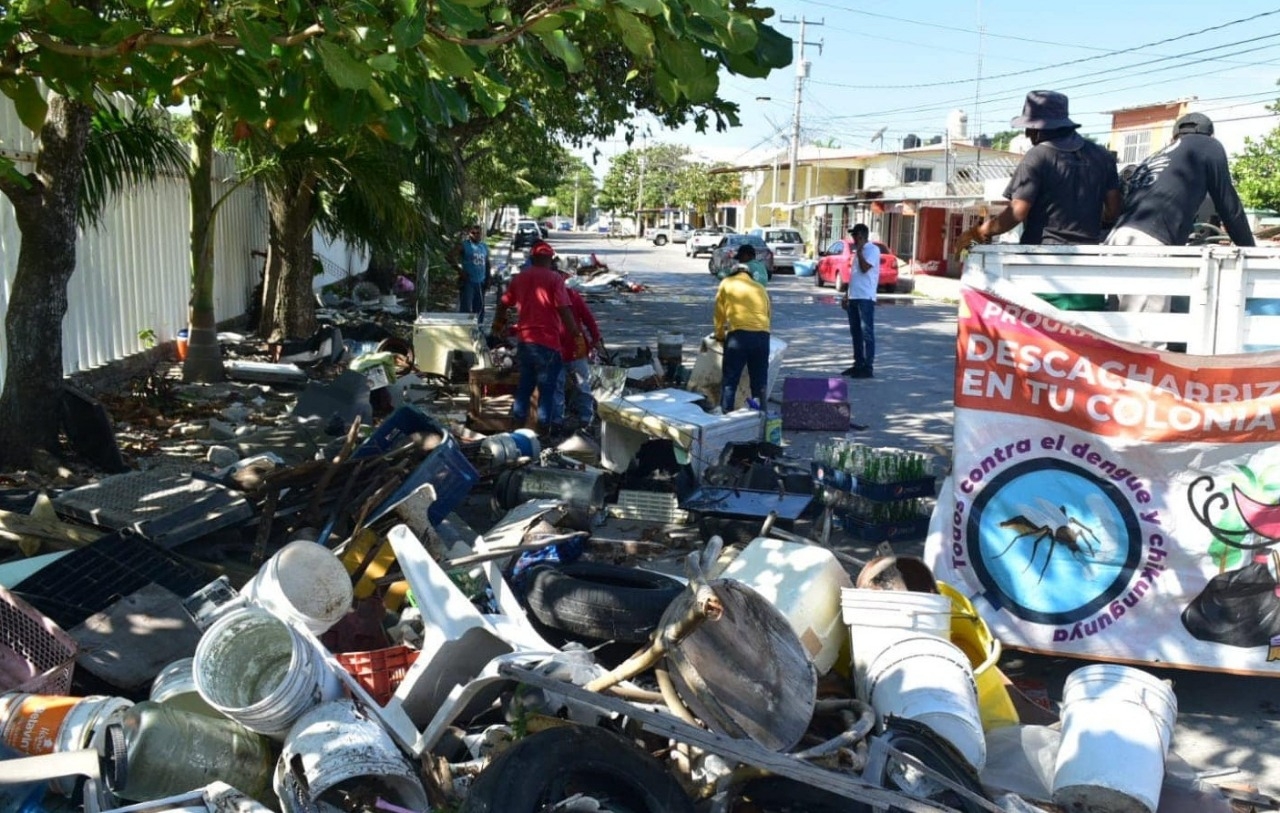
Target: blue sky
<point>904,66</point>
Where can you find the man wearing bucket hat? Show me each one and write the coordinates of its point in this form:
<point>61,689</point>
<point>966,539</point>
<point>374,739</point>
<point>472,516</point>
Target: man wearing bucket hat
<point>1166,192</point>
<point>542,303</point>
<point>1063,192</point>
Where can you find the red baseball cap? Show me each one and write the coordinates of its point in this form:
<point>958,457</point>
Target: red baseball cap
<point>543,249</point>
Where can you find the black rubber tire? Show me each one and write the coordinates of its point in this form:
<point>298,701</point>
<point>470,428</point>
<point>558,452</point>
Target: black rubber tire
<point>600,602</point>
<point>776,794</point>
<point>557,763</point>
<point>817,278</point>
<point>660,240</point>
<point>905,286</point>
<point>920,742</point>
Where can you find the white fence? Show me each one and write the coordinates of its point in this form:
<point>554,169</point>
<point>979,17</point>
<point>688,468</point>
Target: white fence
<point>133,272</point>
<point>1234,293</point>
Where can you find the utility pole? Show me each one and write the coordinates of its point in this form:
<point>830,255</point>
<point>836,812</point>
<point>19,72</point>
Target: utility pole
<point>577,175</point>
<point>802,73</point>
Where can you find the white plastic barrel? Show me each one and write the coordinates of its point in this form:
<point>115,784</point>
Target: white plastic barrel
<point>880,618</point>
<point>928,679</point>
<point>261,672</point>
<point>1117,723</point>
<point>804,583</point>
<point>303,583</point>
<point>335,747</point>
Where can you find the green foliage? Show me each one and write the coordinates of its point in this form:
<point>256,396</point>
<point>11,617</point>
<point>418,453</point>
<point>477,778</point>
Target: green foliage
<point>702,190</point>
<point>654,171</point>
<point>123,150</point>
<point>1001,140</point>
<point>1256,170</point>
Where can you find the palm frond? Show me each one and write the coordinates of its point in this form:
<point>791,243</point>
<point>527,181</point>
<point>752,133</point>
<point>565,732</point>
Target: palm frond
<point>124,150</point>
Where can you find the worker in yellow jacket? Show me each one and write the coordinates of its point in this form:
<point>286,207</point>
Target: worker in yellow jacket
<point>742,325</point>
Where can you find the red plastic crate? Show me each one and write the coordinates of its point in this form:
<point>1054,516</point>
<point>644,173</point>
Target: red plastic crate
<point>379,671</point>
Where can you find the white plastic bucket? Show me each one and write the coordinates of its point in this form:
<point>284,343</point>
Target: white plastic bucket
<point>804,583</point>
<point>176,686</point>
<point>303,583</point>
<point>880,618</point>
<point>37,724</point>
<point>1117,722</point>
<point>928,679</point>
<point>334,746</point>
<point>261,672</point>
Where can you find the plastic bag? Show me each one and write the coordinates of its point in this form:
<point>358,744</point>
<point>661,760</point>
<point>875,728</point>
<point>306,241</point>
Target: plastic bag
<point>1240,608</point>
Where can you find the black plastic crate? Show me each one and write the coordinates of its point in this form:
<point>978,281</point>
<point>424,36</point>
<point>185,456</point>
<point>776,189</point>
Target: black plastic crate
<point>883,492</point>
<point>88,580</point>
<point>866,530</point>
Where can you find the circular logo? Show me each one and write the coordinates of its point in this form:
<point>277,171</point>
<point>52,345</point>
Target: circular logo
<point>1052,542</point>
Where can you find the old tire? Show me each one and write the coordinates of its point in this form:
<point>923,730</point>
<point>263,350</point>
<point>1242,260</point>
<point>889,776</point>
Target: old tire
<point>660,240</point>
<point>817,278</point>
<point>600,602</point>
<point>905,286</point>
<point>558,763</point>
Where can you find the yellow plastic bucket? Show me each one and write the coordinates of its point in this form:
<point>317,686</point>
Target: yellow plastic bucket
<point>970,633</point>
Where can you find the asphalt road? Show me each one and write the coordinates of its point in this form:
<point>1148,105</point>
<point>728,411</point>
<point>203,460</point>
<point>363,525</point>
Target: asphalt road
<point>1226,724</point>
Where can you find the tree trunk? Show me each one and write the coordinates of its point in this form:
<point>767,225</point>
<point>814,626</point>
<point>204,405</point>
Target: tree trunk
<point>46,215</point>
<point>204,357</point>
<point>292,210</point>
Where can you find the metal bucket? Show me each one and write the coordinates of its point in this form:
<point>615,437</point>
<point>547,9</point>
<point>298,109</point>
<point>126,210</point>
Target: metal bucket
<point>1116,725</point>
<point>333,749</point>
<point>36,724</point>
<point>582,490</point>
<point>303,583</point>
<point>257,670</point>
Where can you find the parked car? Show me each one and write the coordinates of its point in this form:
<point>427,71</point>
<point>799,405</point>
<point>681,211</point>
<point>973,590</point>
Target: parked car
<point>837,259</point>
<point>723,256</point>
<point>703,240</point>
<point>526,234</point>
<point>786,244</point>
<point>679,233</point>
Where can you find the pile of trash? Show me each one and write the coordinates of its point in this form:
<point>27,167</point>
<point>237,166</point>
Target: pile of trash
<point>652,618</point>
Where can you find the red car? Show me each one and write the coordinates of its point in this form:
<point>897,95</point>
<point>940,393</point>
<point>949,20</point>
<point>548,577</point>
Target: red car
<point>837,259</point>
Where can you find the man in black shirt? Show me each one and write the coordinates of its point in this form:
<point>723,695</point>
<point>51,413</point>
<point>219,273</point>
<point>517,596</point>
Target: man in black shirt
<point>1163,196</point>
<point>1167,189</point>
<point>1062,192</point>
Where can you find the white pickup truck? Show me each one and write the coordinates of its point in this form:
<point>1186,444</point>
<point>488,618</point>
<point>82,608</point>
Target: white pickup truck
<point>679,233</point>
<point>1234,293</point>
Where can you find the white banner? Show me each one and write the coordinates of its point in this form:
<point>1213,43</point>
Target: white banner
<point>1112,501</point>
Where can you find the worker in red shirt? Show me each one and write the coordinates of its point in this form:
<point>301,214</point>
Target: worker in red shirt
<point>574,350</point>
<point>539,295</point>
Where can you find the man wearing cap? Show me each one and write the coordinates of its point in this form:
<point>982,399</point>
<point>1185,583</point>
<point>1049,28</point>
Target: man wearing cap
<point>470,258</point>
<point>742,322</point>
<point>746,255</point>
<point>538,293</point>
<point>1063,191</point>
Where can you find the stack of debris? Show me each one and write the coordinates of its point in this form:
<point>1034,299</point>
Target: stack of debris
<point>658,621</point>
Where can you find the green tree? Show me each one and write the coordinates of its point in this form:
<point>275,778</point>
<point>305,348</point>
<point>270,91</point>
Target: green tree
<point>1001,140</point>
<point>702,189</point>
<point>1256,170</point>
<point>653,171</point>
<point>576,192</point>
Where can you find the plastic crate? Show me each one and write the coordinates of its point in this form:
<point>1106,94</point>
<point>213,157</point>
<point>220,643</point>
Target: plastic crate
<point>36,656</point>
<point>88,580</point>
<point>866,530</point>
<point>379,671</point>
<point>448,470</point>
<point>395,430</point>
<point>899,490</point>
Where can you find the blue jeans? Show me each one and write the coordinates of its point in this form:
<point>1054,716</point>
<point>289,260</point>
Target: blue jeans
<point>862,328</point>
<point>744,348</point>
<point>540,367</point>
<point>471,299</point>
<point>584,404</point>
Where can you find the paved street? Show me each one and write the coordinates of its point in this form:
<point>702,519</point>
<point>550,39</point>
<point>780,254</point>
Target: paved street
<point>1225,722</point>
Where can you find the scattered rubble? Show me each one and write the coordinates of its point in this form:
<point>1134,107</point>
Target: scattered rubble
<point>343,581</point>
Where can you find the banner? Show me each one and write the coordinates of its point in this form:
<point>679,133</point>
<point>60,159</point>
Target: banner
<point>1112,501</point>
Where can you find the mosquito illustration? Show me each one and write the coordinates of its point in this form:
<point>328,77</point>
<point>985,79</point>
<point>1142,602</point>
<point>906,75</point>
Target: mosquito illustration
<point>1052,522</point>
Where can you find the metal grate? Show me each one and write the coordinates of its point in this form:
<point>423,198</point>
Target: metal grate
<point>35,655</point>
<point>649,506</point>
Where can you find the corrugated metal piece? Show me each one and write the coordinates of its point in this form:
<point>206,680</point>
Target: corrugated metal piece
<point>133,271</point>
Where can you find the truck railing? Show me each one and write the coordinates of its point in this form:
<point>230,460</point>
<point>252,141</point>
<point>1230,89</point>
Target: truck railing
<point>1232,294</point>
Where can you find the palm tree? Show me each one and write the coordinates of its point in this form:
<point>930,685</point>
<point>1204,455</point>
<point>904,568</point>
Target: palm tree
<point>87,154</point>
<point>370,191</point>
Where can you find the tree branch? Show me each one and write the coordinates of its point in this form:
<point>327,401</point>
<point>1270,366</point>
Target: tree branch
<point>150,38</point>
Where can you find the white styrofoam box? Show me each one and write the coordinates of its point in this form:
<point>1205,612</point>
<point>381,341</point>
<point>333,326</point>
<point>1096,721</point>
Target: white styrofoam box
<point>436,334</point>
